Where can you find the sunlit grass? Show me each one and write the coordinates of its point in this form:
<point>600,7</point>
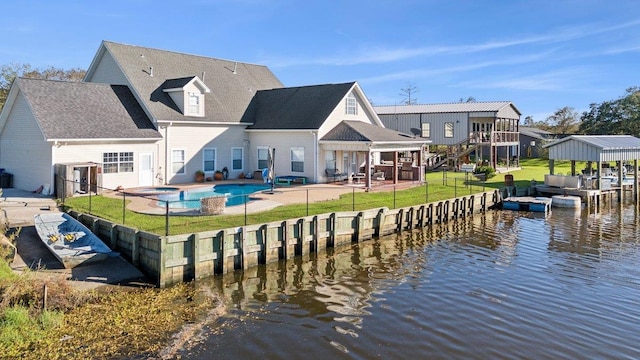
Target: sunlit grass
<point>438,186</point>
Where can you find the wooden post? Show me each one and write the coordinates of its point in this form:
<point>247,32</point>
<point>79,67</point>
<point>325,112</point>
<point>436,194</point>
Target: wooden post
<point>44,297</point>
<point>395,167</point>
<point>195,255</point>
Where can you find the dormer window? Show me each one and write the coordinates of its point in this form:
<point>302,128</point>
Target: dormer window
<point>194,104</point>
<point>188,94</point>
<point>351,105</point>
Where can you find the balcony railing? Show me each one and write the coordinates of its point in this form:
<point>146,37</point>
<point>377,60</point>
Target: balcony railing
<point>493,137</point>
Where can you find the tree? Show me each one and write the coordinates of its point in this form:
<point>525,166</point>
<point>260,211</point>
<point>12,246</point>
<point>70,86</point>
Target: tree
<point>615,117</point>
<point>528,121</point>
<point>564,121</point>
<point>407,94</point>
<point>10,71</point>
<point>468,100</point>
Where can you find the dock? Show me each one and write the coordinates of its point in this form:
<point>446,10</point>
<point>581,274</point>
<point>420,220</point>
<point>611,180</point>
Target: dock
<point>527,203</point>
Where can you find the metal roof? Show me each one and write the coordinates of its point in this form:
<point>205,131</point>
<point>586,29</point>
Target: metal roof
<point>595,148</point>
<point>604,142</point>
<point>480,106</point>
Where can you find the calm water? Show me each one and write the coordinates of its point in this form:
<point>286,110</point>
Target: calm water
<point>504,285</point>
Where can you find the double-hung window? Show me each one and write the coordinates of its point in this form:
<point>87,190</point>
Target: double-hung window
<point>297,159</point>
<point>209,159</point>
<point>194,103</point>
<point>448,130</point>
<point>263,157</point>
<point>178,161</point>
<point>351,105</point>
<point>426,130</point>
<point>237,159</point>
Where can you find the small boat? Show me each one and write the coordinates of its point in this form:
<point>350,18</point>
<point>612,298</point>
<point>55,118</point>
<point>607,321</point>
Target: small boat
<point>69,240</point>
<point>527,203</point>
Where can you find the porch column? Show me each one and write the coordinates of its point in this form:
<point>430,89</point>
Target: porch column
<point>573,168</point>
<point>636,193</point>
<point>620,164</point>
<point>599,168</point>
<point>551,163</point>
<point>419,163</point>
<point>395,167</point>
<point>367,171</point>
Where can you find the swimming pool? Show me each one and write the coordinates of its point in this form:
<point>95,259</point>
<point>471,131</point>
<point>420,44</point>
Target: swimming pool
<point>190,199</point>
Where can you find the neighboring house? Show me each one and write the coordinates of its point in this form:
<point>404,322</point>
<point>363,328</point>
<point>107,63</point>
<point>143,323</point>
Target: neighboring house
<point>533,140</point>
<point>145,117</point>
<point>489,128</point>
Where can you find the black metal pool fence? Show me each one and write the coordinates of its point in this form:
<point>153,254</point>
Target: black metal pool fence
<point>460,183</point>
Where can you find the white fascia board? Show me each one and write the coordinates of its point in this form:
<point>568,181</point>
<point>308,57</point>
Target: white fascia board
<point>104,140</point>
<point>187,122</point>
<point>283,130</point>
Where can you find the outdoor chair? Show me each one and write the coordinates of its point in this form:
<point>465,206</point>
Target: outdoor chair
<point>335,175</point>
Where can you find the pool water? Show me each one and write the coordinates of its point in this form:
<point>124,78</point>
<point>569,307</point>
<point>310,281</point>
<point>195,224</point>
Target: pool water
<point>190,199</point>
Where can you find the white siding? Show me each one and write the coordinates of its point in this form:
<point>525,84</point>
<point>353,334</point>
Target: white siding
<point>193,139</point>
<point>23,150</point>
<point>282,142</point>
<point>338,115</point>
<point>508,112</point>
<point>72,153</point>
<point>107,71</point>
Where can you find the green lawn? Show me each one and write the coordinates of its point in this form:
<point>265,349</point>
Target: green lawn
<point>437,187</point>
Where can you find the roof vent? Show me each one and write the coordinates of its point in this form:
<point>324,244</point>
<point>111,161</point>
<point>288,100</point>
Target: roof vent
<point>151,71</point>
<point>235,67</point>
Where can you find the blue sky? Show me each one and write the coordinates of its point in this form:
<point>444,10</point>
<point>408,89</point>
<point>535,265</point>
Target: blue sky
<point>542,55</point>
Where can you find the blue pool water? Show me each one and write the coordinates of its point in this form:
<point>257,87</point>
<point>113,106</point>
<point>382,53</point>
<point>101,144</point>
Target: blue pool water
<point>190,199</point>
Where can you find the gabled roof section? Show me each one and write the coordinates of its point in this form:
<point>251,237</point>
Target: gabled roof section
<point>233,83</point>
<point>305,107</point>
<point>480,106</point>
<point>78,111</point>
<point>179,84</point>
<point>603,142</point>
<point>353,130</point>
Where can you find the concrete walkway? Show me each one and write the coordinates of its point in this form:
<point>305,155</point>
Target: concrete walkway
<point>259,201</point>
<point>18,208</point>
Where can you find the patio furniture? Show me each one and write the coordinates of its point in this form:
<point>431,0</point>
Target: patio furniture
<point>378,176</point>
<point>335,174</point>
<point>356,178</point>
<point>288,179</point>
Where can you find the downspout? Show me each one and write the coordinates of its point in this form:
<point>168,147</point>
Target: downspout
<point>315,157</point>
<point>166,153</point>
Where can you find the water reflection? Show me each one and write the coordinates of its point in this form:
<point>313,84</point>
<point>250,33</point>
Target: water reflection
<point>499,285</point>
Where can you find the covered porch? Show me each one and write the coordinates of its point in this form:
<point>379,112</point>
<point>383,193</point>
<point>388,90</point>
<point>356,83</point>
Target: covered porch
<point>370,155</point>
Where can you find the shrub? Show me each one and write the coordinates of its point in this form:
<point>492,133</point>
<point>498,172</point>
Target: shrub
<point>488,171</point>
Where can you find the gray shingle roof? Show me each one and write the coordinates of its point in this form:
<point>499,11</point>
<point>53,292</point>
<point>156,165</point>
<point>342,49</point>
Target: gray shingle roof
<point>230,92</point>
<point>480,106</point>
<point>352,130</point>
<point>75,110</point>
<point>305,107</point>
